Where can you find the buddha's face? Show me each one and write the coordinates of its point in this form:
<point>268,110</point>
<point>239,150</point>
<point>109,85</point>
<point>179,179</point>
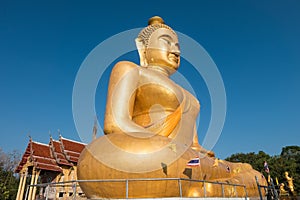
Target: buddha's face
<point>163,50</point>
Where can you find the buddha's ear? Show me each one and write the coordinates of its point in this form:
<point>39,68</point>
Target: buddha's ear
<point>141,49</point>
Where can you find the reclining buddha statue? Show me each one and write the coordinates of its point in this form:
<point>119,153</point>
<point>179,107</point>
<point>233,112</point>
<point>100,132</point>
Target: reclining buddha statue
<point>150,135</point>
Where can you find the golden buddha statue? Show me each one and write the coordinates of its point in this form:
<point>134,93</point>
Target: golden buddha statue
<point>150,131</point>
<point>282,191</point>
<point>289,182</point>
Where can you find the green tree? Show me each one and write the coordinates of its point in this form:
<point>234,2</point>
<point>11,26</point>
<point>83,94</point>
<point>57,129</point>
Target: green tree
<point>288,160</point>
<point>256,160</point>
<point>8,180</point>
<point>291,163</point>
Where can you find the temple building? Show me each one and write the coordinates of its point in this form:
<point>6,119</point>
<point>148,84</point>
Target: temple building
<point>45,163</point>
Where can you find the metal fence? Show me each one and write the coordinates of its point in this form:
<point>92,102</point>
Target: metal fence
<point>73,186</point>
<point>270,190</point>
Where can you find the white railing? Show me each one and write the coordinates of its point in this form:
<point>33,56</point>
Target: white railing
<point>74,185</point>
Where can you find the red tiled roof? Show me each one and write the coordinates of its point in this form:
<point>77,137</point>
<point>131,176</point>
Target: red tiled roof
<point>40,155</point>
<point>58,153</point>
<point>40,149</point>
<point>48,167</point>
<point>72,149</point>
<point>52,156</point>
<point>42,158</point>
<point>23,159</point>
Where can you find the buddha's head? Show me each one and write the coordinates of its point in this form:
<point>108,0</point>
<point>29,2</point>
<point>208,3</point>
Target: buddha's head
<point>286,173</point>
<point>158,46</point>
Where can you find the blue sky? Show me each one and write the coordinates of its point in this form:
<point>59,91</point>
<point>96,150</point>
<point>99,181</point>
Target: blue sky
<point>255,45</point>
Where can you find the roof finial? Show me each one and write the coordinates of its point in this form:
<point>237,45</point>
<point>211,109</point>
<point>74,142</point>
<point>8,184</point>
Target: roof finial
<point>30,138</point>
<point>30,142</point>
<point>58,130</point>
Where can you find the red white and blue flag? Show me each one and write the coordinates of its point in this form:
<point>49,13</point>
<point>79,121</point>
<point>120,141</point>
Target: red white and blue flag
<point>266,167</point>
<point>194,162</point>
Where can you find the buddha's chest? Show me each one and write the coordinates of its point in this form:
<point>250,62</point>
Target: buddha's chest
<point>152,103</point>
<point>153,95</point>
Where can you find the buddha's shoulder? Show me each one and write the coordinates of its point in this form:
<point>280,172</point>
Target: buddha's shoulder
<point>124,66</point>
<point>192,99</point>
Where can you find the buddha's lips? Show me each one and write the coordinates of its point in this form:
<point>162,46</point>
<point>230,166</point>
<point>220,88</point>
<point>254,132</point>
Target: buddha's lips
<point>173,57</point>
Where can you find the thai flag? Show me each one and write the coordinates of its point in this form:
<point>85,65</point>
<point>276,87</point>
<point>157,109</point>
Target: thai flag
<point>266,167</point>
<point>194,162</point>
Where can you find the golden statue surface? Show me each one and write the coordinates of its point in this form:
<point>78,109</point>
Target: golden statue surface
<point>150,131</point>
<point>289,180</point>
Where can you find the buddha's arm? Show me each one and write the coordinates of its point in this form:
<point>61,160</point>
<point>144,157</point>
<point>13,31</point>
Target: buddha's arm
<point>123,82</point>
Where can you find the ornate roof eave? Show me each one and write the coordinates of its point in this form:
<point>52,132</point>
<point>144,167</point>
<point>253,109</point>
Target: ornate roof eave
<point>25,157</point>
<point>31,148</point>
<point>52,149</point>
<point>63,148</point>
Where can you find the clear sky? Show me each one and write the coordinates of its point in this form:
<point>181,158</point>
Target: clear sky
<point>255,45</point>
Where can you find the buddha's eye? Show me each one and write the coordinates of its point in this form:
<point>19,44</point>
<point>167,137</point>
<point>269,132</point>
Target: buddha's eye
<point>165,40</point>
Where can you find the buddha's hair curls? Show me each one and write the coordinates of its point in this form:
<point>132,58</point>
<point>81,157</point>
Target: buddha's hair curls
<point>154,23</point>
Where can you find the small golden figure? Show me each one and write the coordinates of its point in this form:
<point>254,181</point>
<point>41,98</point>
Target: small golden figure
<point>282,190</point>
<point>289,181</point>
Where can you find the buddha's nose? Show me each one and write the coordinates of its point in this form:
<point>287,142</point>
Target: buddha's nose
<point>175,50</point>
<point>177,53</point>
